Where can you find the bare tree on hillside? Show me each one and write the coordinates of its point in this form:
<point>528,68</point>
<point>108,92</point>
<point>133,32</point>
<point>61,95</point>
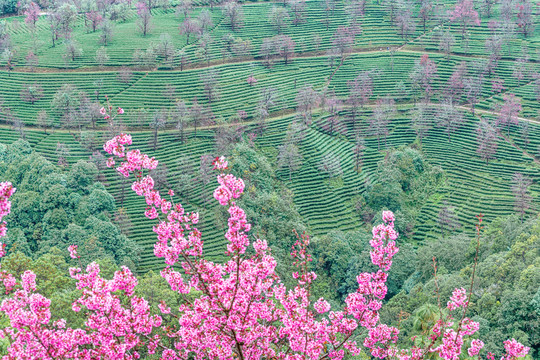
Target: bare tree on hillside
<point>522,197</point>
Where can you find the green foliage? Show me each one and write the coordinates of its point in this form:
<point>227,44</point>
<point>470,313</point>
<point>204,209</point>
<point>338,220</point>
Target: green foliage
<point>404,182</point>
<point>505,295</point>
<point>55,208</point>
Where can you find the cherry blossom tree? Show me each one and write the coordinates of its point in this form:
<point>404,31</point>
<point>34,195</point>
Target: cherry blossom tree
<point>455,85</point>
<point>343,39</point>
<point>32,60</point>
<point>289,158</point>
<point>44,120</point>
<point>358,150</point>
<point>66,16</point>
<point>180,116</point>
<point>284,46</point>
<point>196,113</point>
<point>525,21</point>
<point>233,12</point>
<point>268,101</point>
<point>157,122</point>
<point>426,12</point>
<point>210,80</point>
<point>101,56</point>
<point>190,27</point>
<point>360,90</point>
<point>355,10</point>
<point>521,68</point>
<point>488,6</point>
<point>497,85</point>
<point>405,21</point>
<point>184,7</point>
<point>493,48</point>
<point>32,93</point>
<point>333,122</point>
<point>32,15</point>
<point>268,51</point>
<point>423,75</point>
<point>93,20</point>
<point>144,19</point>
<point>107,31</point>
<point>422,120</point>
<point>447,218</point>
<point>473,87</point>
<point>446,43</point>
<point>465,15</point>
<point>205,20</point>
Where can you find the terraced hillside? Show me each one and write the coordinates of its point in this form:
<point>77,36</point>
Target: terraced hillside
<point>471,186</point>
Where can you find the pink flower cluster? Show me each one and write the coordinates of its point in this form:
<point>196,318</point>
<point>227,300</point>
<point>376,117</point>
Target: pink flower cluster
<point>220,163</point>
<point>251,80</point>
<point>384,242</point>
<point>73,251</point>
<point>476,346</point>
<point>458,299</point>
<point>383,335</point>
<point>514,350</point>
<point>135,160</point>
<point>230,188</point>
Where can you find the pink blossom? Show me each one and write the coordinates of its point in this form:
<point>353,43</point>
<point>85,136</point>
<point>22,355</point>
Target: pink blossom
<point>222,194</point>
<point>321,306</point>
<point>73,251</point>
<point>220,163</point>
<point>458,299</point>
<point>476,346</point>
<point>251,80</point>
<point>514,349</point>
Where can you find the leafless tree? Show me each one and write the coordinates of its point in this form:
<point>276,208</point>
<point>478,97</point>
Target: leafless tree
<point>358,150</point>
<point>234,13</point>
<point>447,218</point>
<point>486,136</point>
<point>449,118</point>
<point>157,122</point>
<point>422,120</point>
<point>298,8</point>
<point>307,99</point>
<point>331,165</point>
<point>31,93</point>
<point>289,158</point>
<point>210,80</point>
<point>384,110</point>
<point>279,18</point>
<point>522,197</point>
<point>181,117</point>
